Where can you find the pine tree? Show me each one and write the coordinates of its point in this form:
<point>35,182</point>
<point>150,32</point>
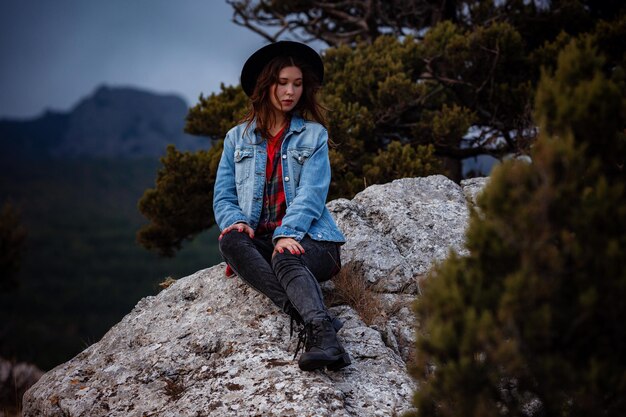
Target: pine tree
<point>430,83</point>
<point>532,320</point>
<point>181,204</point>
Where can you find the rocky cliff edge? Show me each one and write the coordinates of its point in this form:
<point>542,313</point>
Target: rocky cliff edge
<point>209,345</point>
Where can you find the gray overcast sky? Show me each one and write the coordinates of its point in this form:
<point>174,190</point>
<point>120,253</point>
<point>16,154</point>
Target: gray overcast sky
<point>54,52</point>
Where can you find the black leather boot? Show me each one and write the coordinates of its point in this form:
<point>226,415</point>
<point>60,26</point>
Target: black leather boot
<point>322,349</point>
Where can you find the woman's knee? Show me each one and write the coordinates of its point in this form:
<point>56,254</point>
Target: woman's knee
<point>282,259</point>
<point>231,242</point>
<point>286,262</point>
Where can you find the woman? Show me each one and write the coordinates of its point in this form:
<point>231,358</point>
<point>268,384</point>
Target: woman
<point>270,194</point>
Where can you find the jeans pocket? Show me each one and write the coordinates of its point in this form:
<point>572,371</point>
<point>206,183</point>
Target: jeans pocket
<point>333,260</point>
<point>337,260</point>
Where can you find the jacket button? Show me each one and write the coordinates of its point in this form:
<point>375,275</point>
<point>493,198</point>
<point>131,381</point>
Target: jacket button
<point>286,179</point>
<point>319,235</point>
<point>284,156</point>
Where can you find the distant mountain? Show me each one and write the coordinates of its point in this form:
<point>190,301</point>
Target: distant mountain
<point>112,122</point>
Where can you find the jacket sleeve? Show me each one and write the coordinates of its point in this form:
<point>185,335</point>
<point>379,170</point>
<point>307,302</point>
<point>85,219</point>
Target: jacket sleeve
<point>225,203</point>
<point>311,192</point>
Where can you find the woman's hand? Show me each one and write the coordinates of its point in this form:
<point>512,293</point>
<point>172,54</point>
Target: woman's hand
<point>240,227</point>
<point>292,245</point>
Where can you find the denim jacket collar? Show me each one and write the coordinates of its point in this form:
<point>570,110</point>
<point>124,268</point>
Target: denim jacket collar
<point>297,123</point>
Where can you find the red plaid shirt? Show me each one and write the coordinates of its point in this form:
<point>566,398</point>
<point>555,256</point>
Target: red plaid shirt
<point>274,203</point>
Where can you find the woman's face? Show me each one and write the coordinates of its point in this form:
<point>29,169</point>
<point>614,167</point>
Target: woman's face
<point>287,92</point>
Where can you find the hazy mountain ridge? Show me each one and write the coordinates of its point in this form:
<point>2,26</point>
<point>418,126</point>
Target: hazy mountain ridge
<point>113,122</point>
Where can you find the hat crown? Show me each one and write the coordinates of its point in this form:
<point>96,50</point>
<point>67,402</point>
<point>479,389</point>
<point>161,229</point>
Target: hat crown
<point>259,59</point>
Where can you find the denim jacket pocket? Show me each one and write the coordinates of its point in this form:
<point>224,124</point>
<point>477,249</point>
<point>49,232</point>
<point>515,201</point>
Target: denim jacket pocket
<point>298,157</point>
<point>243,163</point>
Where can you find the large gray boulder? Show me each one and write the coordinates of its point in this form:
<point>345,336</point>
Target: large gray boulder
<point>398,229</point>
<point>209,345</point>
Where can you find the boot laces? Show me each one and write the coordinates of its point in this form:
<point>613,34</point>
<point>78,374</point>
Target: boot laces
<point>303,339</point>
<point>291,326</point>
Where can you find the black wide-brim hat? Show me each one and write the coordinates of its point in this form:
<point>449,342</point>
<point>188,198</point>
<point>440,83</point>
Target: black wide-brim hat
<point>257,61</point>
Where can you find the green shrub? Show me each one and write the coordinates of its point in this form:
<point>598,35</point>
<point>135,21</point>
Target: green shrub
<point>533,318</point>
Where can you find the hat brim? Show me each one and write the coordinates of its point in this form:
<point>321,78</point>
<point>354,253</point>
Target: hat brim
<point>257,61</point>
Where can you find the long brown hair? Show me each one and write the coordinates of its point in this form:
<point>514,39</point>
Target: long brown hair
<point>260,101</point>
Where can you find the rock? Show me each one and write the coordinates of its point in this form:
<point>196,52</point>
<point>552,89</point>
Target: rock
<point>398,229</point>
<point>179,356</point>
<point>209,345</point>
<point>472,188</point>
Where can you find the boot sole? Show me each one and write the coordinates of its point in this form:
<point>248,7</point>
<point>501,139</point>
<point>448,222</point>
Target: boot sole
<point>334,363</point>
<point>342,362</point>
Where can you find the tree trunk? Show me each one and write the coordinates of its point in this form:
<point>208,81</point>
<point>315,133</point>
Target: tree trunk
<point>452,168</point>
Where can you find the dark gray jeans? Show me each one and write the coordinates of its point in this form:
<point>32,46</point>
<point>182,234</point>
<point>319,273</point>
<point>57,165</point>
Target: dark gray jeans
<point>290,281</point>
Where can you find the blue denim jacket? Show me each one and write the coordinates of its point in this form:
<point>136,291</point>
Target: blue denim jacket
<point>238,193</point>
